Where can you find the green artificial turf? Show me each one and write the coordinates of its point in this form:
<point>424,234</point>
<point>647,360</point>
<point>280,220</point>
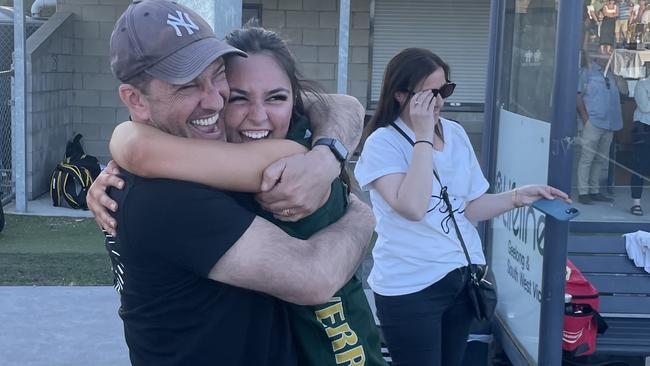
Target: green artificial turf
<point>52,251</point>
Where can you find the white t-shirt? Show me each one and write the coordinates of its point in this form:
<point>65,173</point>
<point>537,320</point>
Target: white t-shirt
<point>411,255</point>
<point>637,245</point>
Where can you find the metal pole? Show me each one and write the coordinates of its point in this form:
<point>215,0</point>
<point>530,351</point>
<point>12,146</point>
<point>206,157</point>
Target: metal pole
<point>227,16</point>
<point>19,120</point>
<point>344,40</point>
<point>567,48</point>
<point>488,152</point>
<point>493,89</point>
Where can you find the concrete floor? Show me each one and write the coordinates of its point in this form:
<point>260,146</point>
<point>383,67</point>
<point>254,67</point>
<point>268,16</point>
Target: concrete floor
<point>61,326</point>
<point>42,206</point>
<point>617,211</point>
<point>64,326</point>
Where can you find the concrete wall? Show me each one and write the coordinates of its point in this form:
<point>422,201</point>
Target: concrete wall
<point>75,92</point>
<point>49,82</point>
<point>309,25</point>
<point>473,123</point>
<point>70,85</point>
<point>311,29</point>
<point>95,104</point>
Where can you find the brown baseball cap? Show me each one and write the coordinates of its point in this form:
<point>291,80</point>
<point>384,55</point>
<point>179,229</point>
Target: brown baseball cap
<point>166,40</point>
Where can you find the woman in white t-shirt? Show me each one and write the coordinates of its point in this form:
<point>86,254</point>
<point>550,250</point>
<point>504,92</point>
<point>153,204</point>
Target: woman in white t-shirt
<point>419,265</point>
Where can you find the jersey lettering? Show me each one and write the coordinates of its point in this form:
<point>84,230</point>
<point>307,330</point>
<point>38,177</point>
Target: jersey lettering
<point>353,357</point>
<point>344,339</point>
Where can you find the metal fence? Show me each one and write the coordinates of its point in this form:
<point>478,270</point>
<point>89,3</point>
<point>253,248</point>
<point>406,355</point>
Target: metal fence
<point>6,50</point>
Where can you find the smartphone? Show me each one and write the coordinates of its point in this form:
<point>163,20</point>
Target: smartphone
<point>556,208</point>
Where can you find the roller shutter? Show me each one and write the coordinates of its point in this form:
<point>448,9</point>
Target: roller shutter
<point>456,30</point>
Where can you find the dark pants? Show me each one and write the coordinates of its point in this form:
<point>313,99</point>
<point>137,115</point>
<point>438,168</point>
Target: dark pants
<point>429,327</point>
<point>641,158</point>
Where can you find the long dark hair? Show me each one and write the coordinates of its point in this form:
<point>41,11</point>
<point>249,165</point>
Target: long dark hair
<point>252,40</point>
<point>403,72</point>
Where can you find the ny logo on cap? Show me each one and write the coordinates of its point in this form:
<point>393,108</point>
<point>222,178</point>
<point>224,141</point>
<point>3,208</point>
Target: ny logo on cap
<point>182,20</point>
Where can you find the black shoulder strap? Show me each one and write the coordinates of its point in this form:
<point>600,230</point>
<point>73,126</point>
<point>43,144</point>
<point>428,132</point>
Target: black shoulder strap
<point>396,127</point>
<point>445,198</point>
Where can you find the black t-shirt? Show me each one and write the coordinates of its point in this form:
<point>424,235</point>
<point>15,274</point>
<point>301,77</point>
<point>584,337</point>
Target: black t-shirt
<point>170,235</point>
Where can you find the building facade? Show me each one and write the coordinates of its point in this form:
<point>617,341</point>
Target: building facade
<point>70,88</point>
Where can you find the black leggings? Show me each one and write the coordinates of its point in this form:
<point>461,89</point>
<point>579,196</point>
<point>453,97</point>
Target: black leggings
<point>429,327</point>
<point>641,158</point>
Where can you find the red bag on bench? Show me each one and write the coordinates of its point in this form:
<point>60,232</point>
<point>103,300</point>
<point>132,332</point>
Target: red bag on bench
<point>582,322</point>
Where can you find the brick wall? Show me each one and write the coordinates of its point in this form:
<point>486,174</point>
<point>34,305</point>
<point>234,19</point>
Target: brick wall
<point>70,86</point>
<point>49,81</point>
<point>94,103</point>
<point>311,29</point>
<point>309,25</point>
<point>89,91</point>
<point>472,122</point>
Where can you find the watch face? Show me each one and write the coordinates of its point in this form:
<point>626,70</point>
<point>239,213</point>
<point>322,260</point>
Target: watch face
<point>337,148</point>
<point>341,149</point>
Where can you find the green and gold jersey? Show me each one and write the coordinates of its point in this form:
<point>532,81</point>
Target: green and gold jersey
<point>341,331</point>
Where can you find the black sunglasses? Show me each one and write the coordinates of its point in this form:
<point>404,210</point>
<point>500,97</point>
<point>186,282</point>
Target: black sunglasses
<point>445,91</point>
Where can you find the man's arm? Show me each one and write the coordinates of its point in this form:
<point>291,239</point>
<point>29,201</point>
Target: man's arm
<point>341,118</point>
<point>302,182</point>
<point>641,97</point>
<point>621,84</point>
<point>305,272</point>
<point>582,110</point>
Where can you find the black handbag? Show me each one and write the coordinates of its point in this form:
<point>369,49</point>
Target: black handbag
<point>480,285</point>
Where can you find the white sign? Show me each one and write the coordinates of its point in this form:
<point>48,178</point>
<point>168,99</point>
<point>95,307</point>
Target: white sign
<point>518,235</point>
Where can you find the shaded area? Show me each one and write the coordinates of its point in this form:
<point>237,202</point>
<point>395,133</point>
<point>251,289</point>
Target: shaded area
<point>72,326</point>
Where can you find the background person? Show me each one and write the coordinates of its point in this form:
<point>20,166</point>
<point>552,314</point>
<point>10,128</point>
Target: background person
<point>622,22</point>
<point>420,270</point>
<point>644,19</point>
<point>635,16</point>
<point>608,33</point>
<point>599,107</point>
<point>644,12</point>
<point>641,144</point>
<point>593,19</point>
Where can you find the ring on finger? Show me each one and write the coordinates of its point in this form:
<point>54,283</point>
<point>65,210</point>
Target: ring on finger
<point>286,212</point>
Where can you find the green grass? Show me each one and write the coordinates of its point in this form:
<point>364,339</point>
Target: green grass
<point>52,251</point>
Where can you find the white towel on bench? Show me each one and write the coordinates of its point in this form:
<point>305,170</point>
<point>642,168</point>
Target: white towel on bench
<point>637,245</point>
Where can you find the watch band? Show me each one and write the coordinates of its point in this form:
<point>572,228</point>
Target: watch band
<point>337,148</point>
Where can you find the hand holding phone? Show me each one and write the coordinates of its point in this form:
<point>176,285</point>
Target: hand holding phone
<point>556,208</point>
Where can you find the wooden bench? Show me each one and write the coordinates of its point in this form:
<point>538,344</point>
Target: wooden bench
<point>624,292</point>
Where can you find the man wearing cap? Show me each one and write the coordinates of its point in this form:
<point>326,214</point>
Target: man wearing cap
<point>195,268</point>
